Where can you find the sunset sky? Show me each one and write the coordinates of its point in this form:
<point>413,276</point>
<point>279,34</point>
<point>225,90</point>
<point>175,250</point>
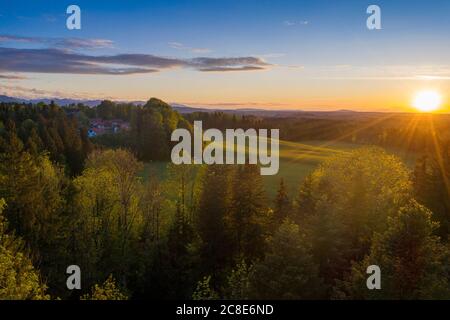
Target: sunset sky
<point>311,55</point>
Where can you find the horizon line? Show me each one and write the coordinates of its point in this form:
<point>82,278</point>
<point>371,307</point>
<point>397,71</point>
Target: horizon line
<point>220,107</point>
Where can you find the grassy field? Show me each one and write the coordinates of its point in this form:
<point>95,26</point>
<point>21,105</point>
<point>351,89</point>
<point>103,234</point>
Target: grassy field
<point>297,160</point>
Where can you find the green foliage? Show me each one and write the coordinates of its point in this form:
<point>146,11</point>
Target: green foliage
<point>282,205</point>
<point>238,282</point>
<point>345,201</point>
<point>151,128</point>
<point>432,186</point>
<point>288,271</point>
<point>413,262</point>
<point>18,278</point>
<point>215,249</point>
<point>248,216</point>
<point>107,291</point>
<point>110,216</point>
<point>204,291</point>
<point>47,129</point>
<point>31,187</point>
<point>106,225</point>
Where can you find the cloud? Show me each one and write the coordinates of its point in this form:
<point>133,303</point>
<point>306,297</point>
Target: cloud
<point>53,60</point>
<point>31,93</point>
<point>273,55</point>
<point>63,43</point>
<point>180,46</point>
<point>28,92</point>
<point>12,77</point>
<point>387,78</point>
<point>291,23</point>
<point>77,43</point>
<point>227,62</point>
<point>427,77</point>
<point>297,67</point>
<point>384,73</point>
<point>49,18</point>
<point>225,69</point>
<point>7,38</point>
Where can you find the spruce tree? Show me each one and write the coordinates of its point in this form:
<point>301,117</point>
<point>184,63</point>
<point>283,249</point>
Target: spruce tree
<point>214,231</point>
<point>282,205</point>
<point>288,270</point>
<point>248,216</point>
<point>19,280</point>
<point>413,261</point>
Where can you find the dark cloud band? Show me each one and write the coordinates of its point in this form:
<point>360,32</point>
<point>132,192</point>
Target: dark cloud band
<point>51,60</point>
<point>12,77</point>
<point>64,43</point>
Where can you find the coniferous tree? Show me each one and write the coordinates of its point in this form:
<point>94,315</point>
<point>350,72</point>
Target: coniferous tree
<point>19,280</point>
<point>248,215</point>
<point>19,179</point>
<point>212,226</point>
<point>432,186</point>
<point>107,291</point>
<point>288,270</point>
<point>204,291</point>
<point>413,262</point>
<point>345,201</point>
<point>282,205</point>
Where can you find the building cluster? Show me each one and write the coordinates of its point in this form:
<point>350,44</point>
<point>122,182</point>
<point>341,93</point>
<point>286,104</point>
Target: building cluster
<point>100,126</point>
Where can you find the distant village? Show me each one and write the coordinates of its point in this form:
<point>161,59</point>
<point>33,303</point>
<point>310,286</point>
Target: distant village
<point>100,126</point>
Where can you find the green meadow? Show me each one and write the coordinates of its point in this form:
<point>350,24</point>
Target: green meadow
<point>297,160</point>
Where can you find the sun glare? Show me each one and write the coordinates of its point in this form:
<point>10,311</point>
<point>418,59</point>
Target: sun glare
<point>427,101</point>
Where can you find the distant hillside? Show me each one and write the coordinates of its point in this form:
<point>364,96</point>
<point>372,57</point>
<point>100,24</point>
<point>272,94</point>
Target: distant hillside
<point>10,99</point>
<point>60,102</point>
<point>185,109</point>
<point>267,113</point>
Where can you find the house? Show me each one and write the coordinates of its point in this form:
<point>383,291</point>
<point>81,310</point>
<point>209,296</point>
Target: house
<point>91,133</point>
<point>100,126</point>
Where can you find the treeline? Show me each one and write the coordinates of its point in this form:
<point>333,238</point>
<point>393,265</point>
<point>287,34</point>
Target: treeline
<point>222,121</point>
<point>354,211</point>
<point>151,126</point>
<point>210,232</point>
<point>155,120</point>
<point>432,184</point>
<point>45,128</point>
<point>407,132</point>
<point>106,110</point>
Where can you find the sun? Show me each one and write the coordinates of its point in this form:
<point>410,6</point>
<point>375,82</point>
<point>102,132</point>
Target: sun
<point>427,101</point>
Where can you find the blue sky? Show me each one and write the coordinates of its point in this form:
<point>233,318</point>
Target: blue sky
<point>307,54</point>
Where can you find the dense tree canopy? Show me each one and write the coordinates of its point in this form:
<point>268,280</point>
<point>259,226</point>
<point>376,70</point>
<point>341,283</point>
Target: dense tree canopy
<point>211,232</point>
<point>414,262</point>
<point>346,200</point>
<point>19,280</point>
<point>288,271</point>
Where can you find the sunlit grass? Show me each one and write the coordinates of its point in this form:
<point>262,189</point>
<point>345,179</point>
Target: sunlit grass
<point>297,160</point>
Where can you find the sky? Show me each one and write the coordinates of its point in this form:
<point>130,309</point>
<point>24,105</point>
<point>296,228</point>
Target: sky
<point>280,54</point>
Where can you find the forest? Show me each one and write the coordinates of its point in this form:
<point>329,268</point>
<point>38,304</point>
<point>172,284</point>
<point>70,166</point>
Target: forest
<point>211,231</point>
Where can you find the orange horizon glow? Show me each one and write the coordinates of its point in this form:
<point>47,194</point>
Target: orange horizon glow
<point>273,90</point>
